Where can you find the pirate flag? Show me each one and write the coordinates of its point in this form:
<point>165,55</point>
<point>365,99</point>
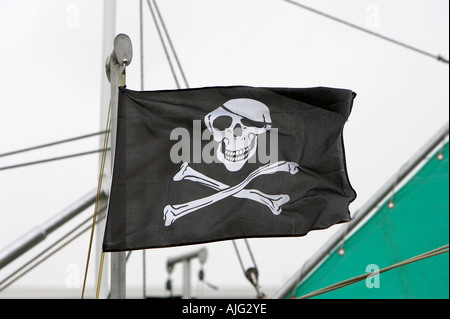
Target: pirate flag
<point>207,164</point>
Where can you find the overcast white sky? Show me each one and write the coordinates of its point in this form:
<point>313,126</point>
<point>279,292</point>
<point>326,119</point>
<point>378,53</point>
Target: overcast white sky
<point>52,69</point>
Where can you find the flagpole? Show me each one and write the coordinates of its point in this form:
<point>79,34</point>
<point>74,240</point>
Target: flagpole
<point>116,64</point>
<point>109,24</point>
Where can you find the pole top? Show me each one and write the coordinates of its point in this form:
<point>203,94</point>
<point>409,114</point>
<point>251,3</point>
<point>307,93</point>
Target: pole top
<point>123,49</point>
<point>121,55</point>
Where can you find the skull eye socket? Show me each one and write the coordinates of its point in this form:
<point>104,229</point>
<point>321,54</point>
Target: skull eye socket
<point>222,122</point>
<point>250,123</point>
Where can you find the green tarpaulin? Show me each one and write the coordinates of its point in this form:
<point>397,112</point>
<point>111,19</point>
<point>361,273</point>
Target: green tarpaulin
<point>418,223</point>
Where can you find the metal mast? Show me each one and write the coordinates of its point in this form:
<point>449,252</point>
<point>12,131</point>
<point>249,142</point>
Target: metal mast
<point>115,69</point>
<point>109,24</point>
<point>115,65</point>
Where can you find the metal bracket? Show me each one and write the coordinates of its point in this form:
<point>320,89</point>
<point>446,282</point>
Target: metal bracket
<point>121,55</point>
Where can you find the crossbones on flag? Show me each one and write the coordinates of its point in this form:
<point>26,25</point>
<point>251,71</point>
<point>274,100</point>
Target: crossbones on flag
<point>200,165</point>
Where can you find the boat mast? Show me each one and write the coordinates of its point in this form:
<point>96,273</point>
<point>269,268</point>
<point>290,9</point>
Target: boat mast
<point>116,62</point>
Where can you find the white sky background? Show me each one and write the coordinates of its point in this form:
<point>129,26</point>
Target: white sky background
<point>52,68</point>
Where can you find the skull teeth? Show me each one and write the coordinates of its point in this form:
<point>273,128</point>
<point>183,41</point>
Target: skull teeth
<point>235,156</point>
<point>238,155</point>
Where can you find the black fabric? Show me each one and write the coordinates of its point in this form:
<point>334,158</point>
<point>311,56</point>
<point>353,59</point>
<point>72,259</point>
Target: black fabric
<point>309,121</point>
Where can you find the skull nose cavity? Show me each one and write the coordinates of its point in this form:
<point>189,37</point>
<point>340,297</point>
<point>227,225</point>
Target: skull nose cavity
<point>237,131</point>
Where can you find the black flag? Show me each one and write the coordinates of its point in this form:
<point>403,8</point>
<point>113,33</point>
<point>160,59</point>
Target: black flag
<point>200,165</point>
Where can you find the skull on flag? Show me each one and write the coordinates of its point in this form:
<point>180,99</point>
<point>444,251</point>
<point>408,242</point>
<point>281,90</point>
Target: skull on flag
<point>236,126</point>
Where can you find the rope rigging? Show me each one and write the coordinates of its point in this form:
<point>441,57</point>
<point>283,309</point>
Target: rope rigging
<point>141,44</point>
<point>155,20</point>
<point>164,45</point>
<point>52,159</point>
<point>170,43</point>
<point>404,45</point>
<point>51,144</point>
<point>99,188</point>
<point>251,273</point>
<point>47,253</point>
<point>345,283</point>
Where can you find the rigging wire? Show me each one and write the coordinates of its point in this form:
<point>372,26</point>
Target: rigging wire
<point>51,159</point>
<point>170,43</point>
<point>436,57</point>
<point>345,283</point>
<point>163,44</point>
<point>52,143</point>
<point>141,40</point>
<point>251,273</point>
<point>18,273</point>
<point>99,187</point>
